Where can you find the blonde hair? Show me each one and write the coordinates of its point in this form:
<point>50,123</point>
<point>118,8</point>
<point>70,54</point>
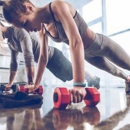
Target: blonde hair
<point>13,8</point>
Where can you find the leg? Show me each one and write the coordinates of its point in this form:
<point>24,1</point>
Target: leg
<point>60,66</point>
<point>105,47</point>
<point>104,64</point>
<point>115,53</point>
<point>92,80</point>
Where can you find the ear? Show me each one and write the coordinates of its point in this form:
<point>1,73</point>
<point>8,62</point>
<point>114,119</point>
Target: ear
<point>29,7</point>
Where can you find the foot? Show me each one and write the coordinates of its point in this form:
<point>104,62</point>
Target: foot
<point>95,82</point>
<point>127,83</point>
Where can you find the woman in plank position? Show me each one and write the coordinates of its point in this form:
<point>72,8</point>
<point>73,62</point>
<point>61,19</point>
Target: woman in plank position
<point>62,23</point>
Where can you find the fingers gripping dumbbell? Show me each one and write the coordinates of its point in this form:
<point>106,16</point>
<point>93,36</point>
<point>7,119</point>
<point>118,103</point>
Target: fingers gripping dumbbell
<point>13,87</point>
<point>62,97</point>
<point>26,90</point>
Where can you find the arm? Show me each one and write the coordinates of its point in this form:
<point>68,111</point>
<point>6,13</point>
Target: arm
<point>62,10</point>
<point>26,46</point>
<point>30,70</point>
<point>13,67</point>
<point>65,16</point>
<point>43,57</point>
<point>11,78</point>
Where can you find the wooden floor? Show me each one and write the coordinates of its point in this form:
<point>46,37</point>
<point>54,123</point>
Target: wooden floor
<point>112,113</point>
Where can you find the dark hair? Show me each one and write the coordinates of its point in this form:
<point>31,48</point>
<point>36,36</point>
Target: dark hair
<point>13,8</point>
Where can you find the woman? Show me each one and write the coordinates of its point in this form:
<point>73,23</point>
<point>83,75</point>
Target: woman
<point>19,40</point>
<point>62,23</point>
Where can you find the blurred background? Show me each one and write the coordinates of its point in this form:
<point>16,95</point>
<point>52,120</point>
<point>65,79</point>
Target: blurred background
<point>109,17</point>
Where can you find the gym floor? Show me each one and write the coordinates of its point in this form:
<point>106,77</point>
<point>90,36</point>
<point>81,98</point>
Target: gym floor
<point>111,113</point>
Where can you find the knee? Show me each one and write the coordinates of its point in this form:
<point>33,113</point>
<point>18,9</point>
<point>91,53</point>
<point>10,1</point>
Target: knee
<point>116,71</point>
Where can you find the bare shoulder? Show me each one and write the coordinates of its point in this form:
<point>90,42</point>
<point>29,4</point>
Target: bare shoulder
<point>60,6</point>
<point>56,3</point>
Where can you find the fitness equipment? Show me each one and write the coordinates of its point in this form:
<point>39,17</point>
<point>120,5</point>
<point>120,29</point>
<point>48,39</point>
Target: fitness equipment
<point>22,88</point>
<point>62,97</point>
<point>13,87</point>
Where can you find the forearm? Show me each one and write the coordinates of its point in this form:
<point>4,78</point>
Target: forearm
<point>41,67</point>
<point>30,74</point>
<point>43,58</point>
<point>77,56</point>
<point>12,76</point>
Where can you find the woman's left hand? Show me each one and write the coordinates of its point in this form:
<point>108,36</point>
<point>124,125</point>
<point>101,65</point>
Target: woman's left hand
<point>77,94</point>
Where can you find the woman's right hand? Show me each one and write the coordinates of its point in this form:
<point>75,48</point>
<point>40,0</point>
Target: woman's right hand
<point>8,86</point>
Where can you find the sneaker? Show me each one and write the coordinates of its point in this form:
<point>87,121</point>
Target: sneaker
<point>95,82</point>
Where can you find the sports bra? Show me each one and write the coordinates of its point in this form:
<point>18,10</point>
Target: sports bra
<point>81,25</point>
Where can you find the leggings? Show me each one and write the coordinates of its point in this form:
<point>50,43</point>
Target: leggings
<point>103,52</point>
<point>60,66</point>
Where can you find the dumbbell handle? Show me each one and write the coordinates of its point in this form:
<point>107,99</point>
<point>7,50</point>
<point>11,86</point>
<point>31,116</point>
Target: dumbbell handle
<point>24,89</point>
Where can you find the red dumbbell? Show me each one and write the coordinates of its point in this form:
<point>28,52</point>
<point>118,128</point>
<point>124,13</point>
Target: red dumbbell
<point>62,97</point>
<point>22,88</point>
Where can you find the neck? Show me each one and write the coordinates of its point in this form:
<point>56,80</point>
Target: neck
<point>44,15</point>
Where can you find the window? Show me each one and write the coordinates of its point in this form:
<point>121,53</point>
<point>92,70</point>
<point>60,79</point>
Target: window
<point>117,12</point>
<point>92,10</point>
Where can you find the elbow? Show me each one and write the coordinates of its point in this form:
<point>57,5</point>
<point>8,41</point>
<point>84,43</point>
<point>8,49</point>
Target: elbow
<point>76,44</point>
<point>43,59</point>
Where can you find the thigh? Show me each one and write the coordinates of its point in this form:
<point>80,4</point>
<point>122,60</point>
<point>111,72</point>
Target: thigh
<point>60,66</point>
<point>115,53</point>
<point>102,63</point>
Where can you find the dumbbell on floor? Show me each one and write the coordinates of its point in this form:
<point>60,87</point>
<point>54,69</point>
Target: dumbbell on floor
<point>62,97</point>
<point>13,87</point>
<point>22,88</point>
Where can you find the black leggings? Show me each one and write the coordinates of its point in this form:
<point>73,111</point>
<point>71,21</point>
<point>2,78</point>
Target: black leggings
<point>102,51</point>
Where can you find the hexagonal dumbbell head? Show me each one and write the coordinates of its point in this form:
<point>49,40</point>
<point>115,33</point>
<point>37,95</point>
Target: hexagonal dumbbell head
<point>92,97</point>
<point>61,98</point>
<point>21,88</point>
<point>39,90</point>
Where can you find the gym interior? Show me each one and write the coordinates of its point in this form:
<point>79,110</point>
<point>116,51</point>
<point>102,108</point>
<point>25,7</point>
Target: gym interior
<point>108,17</point>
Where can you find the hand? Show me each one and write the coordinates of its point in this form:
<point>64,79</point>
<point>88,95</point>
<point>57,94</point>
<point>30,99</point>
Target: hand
<point>78,94</point>
<point>31,87</point>
<point>8,86</point>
